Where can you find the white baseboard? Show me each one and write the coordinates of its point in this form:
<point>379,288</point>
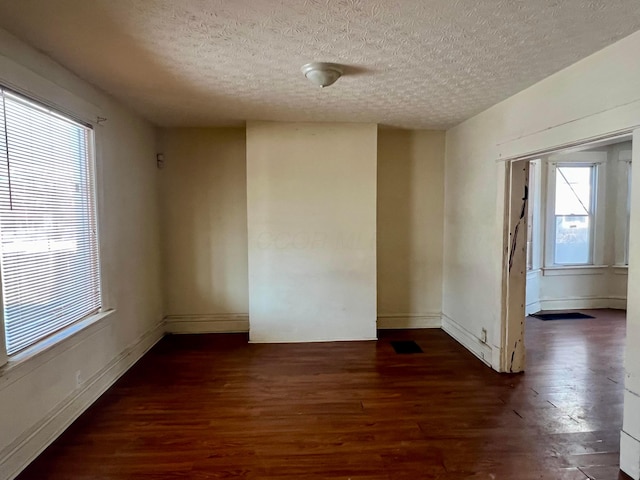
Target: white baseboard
<point>209,323</point>
<point>467,339</point>
<point>409,320</point>
<point>533,307</point>
<point>583,303</point>
<point>15,457</point>
<point>630,455</point>
<point>618,303</point>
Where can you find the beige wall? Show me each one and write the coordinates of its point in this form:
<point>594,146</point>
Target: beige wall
<point>410,227</point>
<point>41,395</point>
<point>205,230</point>
<point>595,96</point>
<point>204,224</point>
<point>311,199</point>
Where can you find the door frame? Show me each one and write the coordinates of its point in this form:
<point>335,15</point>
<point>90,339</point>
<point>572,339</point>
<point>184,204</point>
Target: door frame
<point>514,255</point>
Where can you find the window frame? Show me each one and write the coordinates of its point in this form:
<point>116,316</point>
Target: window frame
<point>597,160</point>
<point>623,211</point>
<point>48,342</point>
<point>627,204</point>
<point>535,219</point>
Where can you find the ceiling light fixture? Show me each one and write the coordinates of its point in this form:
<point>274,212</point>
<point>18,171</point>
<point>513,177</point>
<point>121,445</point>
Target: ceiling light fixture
<point>322,74</point>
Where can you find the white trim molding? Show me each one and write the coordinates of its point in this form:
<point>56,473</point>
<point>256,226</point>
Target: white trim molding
<point>618,302</point>
<point>583,303</point>
<point>409,320</point>
<point>558,271</point>
<point>630,455</point>
<point>27,82</point>
<point>620,269</point>
<point>207,323</point>
<point>533,307</point>
<point>42,352</point>
<point>24,449</point>
<point>468,340</point>
<point>532,300</point>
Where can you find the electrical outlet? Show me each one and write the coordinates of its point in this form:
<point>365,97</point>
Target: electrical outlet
<point>483,336</point>
<point>78,378</point>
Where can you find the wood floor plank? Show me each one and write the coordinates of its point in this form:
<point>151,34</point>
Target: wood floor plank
<point>214,406</point>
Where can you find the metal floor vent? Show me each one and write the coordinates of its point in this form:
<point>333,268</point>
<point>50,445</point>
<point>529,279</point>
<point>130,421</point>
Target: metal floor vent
<point>406,346</point>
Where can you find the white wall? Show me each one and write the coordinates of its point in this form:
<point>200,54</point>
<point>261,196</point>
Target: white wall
<point>596,95</point>
<point>204,229</point>
<point>410,228</point>
<point>311,201</point>
<point>40,396</point>
<point>532,296</point>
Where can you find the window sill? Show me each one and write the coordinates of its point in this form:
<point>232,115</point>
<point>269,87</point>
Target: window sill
<point>620,269</point>
<point>42,352</point>
<point>565,270</point>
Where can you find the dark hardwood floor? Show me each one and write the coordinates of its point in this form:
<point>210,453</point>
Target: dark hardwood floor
<point>212,406</point>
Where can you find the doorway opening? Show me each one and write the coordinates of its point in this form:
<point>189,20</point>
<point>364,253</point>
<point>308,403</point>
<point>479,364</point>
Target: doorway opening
<point>568,213</point>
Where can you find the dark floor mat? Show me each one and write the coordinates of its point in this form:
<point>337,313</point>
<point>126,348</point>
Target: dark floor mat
<point>561,316</point>
<point>406,346</point>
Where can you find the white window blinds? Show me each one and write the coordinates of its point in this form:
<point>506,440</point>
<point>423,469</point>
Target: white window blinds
<point>50,271</point>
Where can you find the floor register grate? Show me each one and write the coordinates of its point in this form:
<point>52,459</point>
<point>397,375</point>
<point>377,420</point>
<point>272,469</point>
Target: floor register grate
<point>406,346</point>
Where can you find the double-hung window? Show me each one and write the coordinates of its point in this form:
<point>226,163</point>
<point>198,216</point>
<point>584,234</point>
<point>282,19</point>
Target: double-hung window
<point>49,248</point>
<point>574,214</point>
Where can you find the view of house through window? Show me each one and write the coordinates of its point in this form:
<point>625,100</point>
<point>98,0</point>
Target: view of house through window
<point>573,214</point>
<point>50,271</point>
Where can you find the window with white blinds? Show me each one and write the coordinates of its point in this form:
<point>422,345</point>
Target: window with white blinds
<point>50,270</point>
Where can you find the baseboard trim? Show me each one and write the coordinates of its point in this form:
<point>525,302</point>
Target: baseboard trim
<point>583,303</point>
<point>210,323</point>
<point>533,307</point>
<point>20,453</point>
<point>630,455</point>
<point>409,320</point>
<point>467,339</point>
<point>618,303</point>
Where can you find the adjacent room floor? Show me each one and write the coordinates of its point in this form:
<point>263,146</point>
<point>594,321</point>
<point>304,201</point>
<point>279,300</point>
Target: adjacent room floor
<point>213,406</point>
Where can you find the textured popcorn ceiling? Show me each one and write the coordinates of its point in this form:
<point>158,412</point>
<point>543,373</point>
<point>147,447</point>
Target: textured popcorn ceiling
<point>415,63</point>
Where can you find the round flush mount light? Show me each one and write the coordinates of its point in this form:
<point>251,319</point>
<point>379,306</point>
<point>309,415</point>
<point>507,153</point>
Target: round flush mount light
<point>322,74</point>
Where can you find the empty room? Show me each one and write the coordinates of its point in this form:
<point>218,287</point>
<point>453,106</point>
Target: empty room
<point>283,239</point>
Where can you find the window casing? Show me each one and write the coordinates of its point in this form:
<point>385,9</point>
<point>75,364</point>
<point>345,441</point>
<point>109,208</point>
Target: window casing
<point>619,214</point>
<point>532,188</point>
<point>627,234</point>
<point>48,229</point>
